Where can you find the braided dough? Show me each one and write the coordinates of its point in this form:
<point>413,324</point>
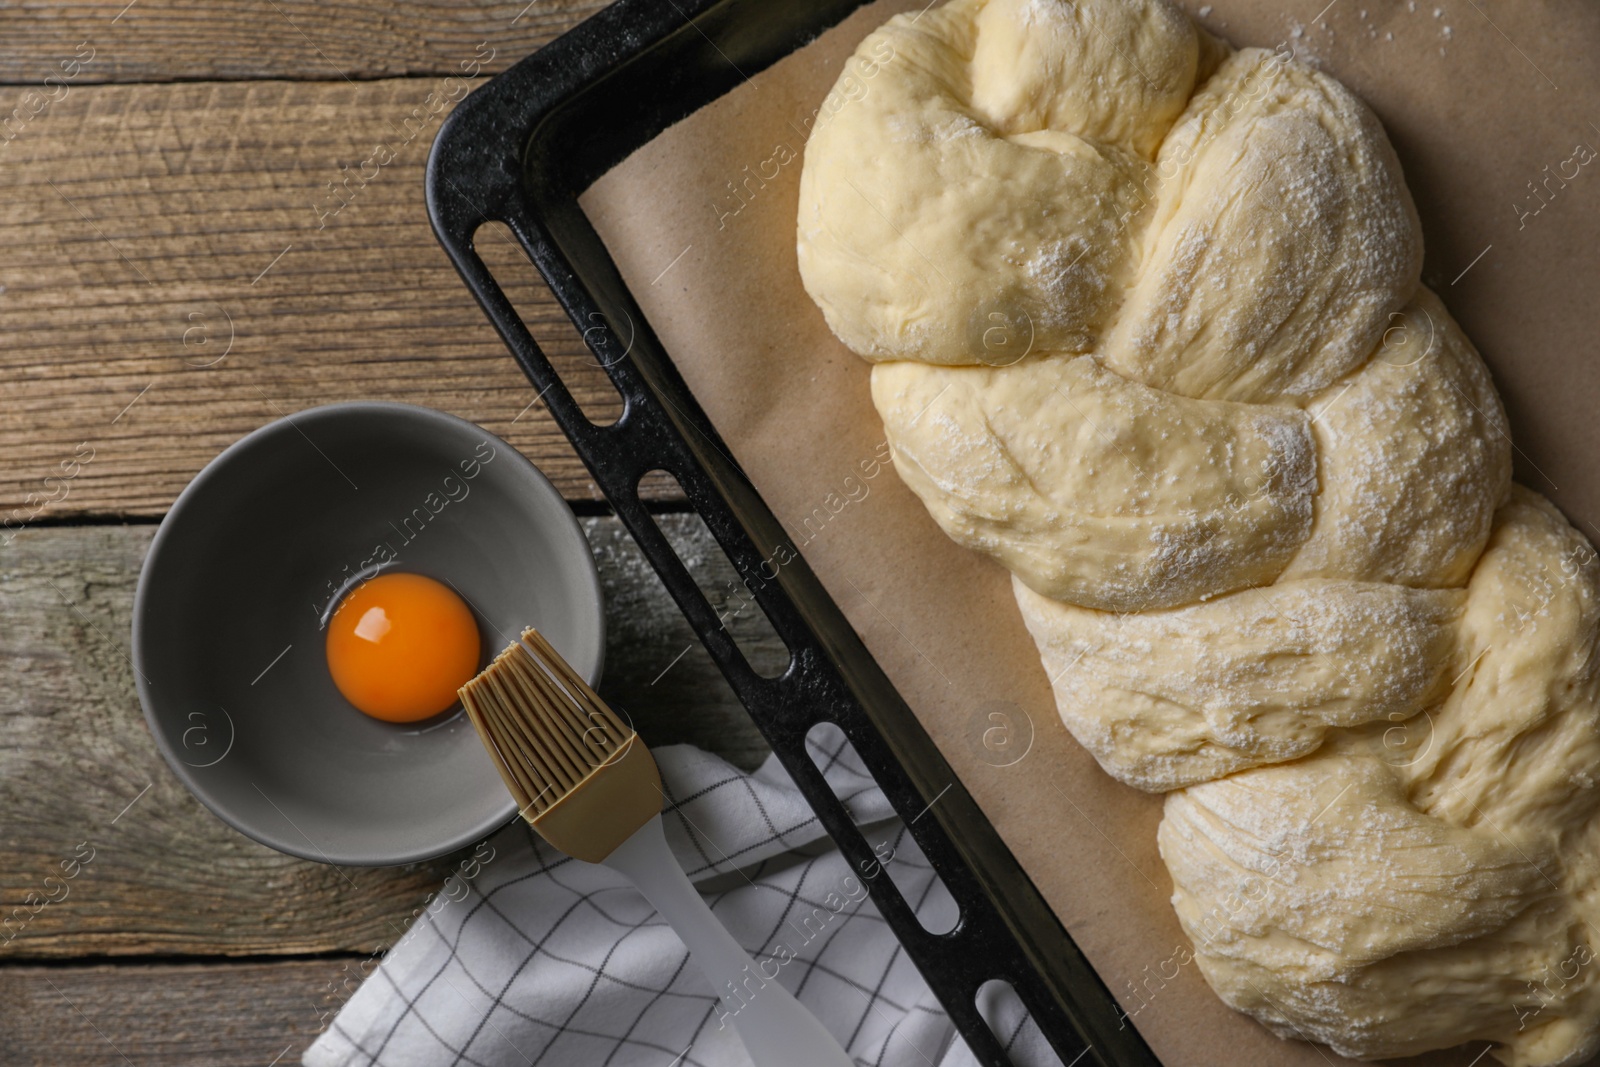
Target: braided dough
<point>1147,328</point>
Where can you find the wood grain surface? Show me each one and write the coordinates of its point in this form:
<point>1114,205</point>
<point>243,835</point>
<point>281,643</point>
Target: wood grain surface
<point>213,217</point>
<point>187,262</point>
<point>84,790</point>
<point>247,1014</point>
<point>163,40</point>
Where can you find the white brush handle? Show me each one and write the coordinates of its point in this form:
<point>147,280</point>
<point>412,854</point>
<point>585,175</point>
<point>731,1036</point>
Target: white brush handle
<point>776,1030</point>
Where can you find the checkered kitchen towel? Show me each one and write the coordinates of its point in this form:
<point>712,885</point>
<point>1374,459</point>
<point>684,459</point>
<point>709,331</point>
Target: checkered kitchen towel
<point>536,958</point>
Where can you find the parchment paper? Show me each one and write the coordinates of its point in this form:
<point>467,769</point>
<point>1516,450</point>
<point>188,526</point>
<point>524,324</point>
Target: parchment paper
<point>1478,96</point>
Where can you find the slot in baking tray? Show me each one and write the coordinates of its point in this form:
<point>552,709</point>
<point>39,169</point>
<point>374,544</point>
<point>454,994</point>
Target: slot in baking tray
<point>521,150</point>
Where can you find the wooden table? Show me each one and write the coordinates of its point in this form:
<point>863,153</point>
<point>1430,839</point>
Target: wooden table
<point>212,217</point>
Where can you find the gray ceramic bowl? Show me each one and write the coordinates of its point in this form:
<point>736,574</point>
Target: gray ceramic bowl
<point>227,624</point>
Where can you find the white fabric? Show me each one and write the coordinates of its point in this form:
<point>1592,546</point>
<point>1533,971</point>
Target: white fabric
<point>535,958</point>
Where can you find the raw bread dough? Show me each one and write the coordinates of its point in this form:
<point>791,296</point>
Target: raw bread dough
<point>1147,330</point>
<point>1278,248</point>
<point>1098,490</point>
<point>1413,885</point>
<point>1170,698</point>
<point>1413,456</point>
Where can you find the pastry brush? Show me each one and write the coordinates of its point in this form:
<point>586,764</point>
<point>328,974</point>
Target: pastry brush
<point>589,786</point>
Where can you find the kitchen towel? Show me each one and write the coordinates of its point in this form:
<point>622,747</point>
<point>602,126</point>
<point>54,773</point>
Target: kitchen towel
<point>527,956</point>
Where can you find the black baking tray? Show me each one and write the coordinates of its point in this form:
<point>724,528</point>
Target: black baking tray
<point>520,150</point>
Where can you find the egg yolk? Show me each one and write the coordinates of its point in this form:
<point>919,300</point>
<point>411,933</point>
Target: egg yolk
<point>400,645</point>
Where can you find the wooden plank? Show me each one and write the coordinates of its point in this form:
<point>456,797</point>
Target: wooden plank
<point>185,263</point>
<point>178,1015</point>
<point>81,784</point>
<point>160,40</point>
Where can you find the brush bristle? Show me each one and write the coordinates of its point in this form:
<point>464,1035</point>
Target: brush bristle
<point>546,729</point>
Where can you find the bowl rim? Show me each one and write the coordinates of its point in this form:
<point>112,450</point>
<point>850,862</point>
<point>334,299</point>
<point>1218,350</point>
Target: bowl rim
<point>217,467</point>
